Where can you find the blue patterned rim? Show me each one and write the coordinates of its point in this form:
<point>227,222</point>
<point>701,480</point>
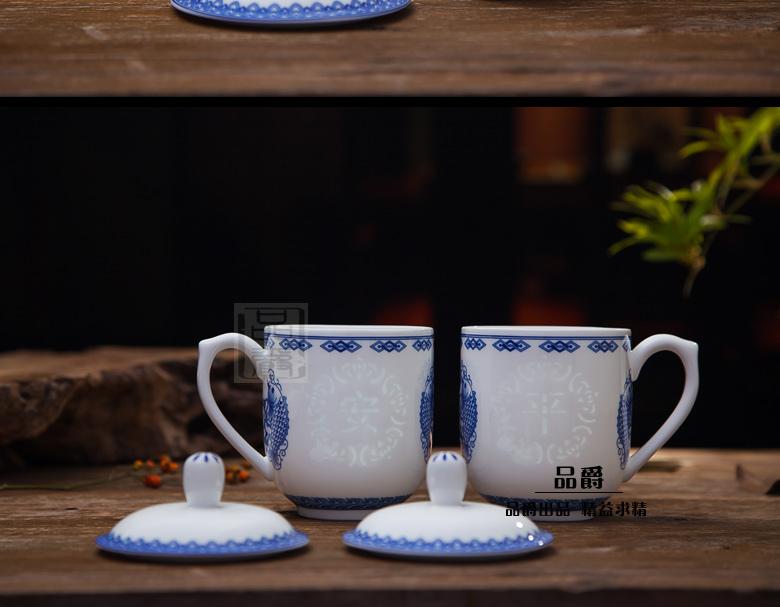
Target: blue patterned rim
<point>345,503</point>
<point>573,505</point>
<point>296,14</point>
<point>267,545</point>
<point>349,344</point>
<point>433,548</point>
<point>549,344</point>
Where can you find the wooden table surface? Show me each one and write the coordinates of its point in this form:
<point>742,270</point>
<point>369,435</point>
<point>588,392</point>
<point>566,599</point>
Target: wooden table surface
<point>435,47</point>
<point>706,536</point>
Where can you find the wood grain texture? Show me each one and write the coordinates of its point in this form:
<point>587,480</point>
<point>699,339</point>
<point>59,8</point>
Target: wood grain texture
<point>436,47</point>
<point>704,539</point>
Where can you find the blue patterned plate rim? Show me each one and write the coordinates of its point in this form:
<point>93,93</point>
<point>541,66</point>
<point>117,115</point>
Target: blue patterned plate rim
<point>350,337</point>
<point>317,13</point>
<point>543,337</point>
<point>251,547</point>
<point>439,548</point>
<point>580,330</point>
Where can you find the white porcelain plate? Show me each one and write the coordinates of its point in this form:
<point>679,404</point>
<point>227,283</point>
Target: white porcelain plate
<point>456,549</point>
<point>203,528</point>
<point>195,551</point>
<point>296,14</point>
<point>447,527</point>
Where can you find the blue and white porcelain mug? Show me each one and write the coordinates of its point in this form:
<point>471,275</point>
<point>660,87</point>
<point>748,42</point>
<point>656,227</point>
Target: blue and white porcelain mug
<point>545,413</point>
<point>347,412</point>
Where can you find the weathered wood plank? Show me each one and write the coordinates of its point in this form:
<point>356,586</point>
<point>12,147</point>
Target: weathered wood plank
<point>437,47</point>
<point>113,404</point>
<point>704,539</point>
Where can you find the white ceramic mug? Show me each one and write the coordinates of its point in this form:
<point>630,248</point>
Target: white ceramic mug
<point>545,413</point>
<point>347,432</point>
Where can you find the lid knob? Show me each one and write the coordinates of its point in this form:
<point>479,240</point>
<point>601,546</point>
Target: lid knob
<point>446,478</point>
<point>204,480</point>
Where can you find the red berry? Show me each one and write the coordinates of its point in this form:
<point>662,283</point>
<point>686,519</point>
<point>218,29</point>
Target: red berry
<point>153,480</point>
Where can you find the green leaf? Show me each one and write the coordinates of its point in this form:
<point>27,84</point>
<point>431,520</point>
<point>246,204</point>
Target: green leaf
<point>661,255</point>
<point>623,244</point>
<point>637,227</point>
<point>712,222</point>
<point>725,130</point>
<point>766,159</point>
<point>694,131</point>
<point>697,147</point>
<point>629,208</point>
<point>651,205</point>
<point>679,224</point>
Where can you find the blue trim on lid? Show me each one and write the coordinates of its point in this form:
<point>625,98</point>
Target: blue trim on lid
<point>295,14</point>
<point>420,547</point>
<point>205,455</point>
<point>111,542</point>
<point>443,455</point>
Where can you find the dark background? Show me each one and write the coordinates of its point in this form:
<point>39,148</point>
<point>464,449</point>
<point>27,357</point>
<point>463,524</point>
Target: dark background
<point>145,226</point>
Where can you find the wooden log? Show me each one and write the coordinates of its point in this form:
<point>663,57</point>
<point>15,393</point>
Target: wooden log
<point>113,404</point>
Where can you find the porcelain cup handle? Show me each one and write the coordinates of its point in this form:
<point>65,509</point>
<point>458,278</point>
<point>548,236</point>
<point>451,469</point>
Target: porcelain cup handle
<point>207,352</point>
<point>688,352</point>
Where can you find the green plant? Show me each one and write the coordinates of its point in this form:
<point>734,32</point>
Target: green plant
<point>681,225</point>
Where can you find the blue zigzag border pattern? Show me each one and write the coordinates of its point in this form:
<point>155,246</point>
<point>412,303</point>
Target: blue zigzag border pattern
<point>603,345</point>
<point>286,541</point>
<point>290,343</point>
<point>295,13</point>
<point>423,345</point>
<point>349,345</point>
<point>511,345</point>
<point>340,345</point>
<point>550,344</point>
<point>559,345</point>
<point>532,541</point>
<point>474,343</point>
<point>388,345</point>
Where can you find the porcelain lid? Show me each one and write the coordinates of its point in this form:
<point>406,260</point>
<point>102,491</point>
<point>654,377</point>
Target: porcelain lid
<point>203,525</point>
<point>446,525</point>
